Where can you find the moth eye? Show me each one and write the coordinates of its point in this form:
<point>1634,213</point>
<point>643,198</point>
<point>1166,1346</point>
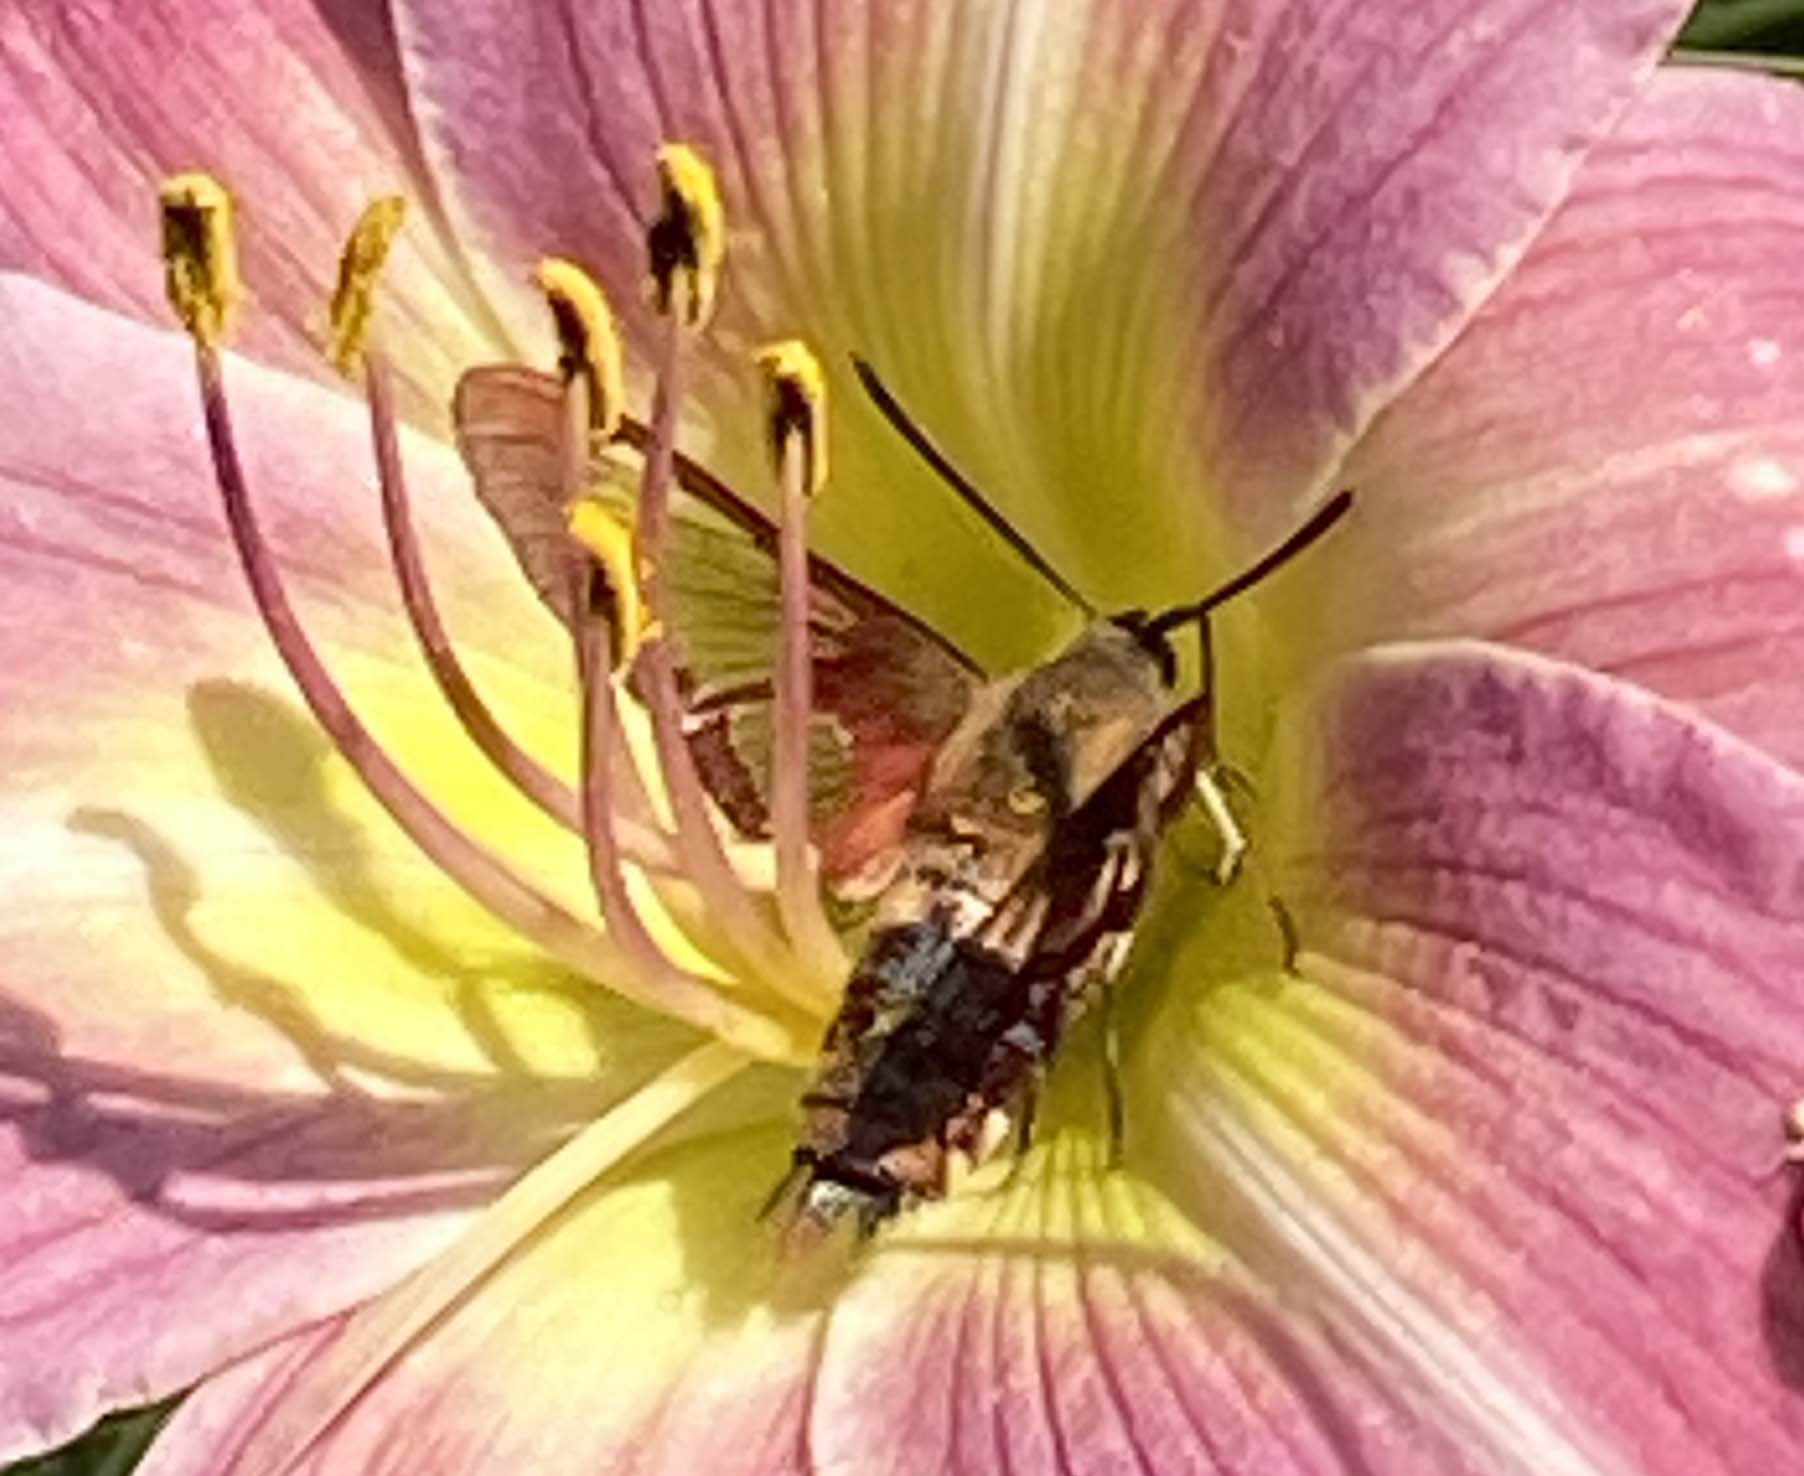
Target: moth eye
<point>1026,799</point>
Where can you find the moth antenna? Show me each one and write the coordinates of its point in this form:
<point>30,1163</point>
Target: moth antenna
<point>904,425</point>
<point>1319,522</point>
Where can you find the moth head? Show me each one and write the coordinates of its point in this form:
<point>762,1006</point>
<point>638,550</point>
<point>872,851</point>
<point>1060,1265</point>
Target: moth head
<point>816,1203</point>
<point>1154,640</point>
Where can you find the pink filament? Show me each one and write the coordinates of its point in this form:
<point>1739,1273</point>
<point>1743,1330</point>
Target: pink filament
<point>602,748</point>
<point>798,894</point>
<point>481,874</point>
<point>531,778</point>
<point>745,931</point>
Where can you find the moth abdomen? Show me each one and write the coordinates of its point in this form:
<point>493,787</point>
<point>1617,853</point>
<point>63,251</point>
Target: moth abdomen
<point>909,1069</point>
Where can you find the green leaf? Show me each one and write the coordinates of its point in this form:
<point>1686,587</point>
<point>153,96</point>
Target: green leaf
<point>1718,24</point>
<point>111,1448</point>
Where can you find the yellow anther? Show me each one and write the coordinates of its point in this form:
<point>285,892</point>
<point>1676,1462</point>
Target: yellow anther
<point>1794,1132</point>
<point>359,267</point>
<point>796,406</point>
<point>687,241</point>
<point>615,596</point>
<point>200,252</point>
<point>588,342</point>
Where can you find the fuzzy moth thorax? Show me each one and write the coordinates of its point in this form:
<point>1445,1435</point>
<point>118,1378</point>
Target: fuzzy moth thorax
<point>1033,748</point>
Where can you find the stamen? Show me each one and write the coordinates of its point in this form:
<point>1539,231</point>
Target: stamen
<point>359,268</point>
<point>593,526</point>
<point>200,255</point>
<point>537,783</point>
<point>601,750</point>
<point>353,306</point>
<point>588,342</point>
<point>688,240</point>
<point>797,428</point>
<point>589,349</point>
<point>607,617</point>
<point>484,876</point>
<point>745,930</point>
<point>489,880</point>
<point>610,543</point>
<point>1794,1133</point>
<point>603,639</point>
<point>380,1331</point>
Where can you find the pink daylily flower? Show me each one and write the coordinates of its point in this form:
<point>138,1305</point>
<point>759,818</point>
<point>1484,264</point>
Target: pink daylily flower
<point>1493,1183</point>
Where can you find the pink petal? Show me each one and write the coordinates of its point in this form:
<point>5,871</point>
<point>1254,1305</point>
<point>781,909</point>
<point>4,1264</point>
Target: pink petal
<point>1510,1135</point>
<point>208,1425</point>
<point>256,1059</point>
<point>298,107</point>
<point>1481,1193</point>
<point>1109,254</point>
<point>1608,465</point>
<point>626,1336</point>
<point>1071,1323</point>
<point>1079,1324</point>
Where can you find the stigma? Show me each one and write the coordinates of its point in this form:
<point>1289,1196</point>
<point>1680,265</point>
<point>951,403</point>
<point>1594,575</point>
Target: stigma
<point>757,966</point>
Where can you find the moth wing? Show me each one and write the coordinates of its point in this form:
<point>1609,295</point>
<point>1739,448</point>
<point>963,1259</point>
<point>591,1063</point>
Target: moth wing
<point>509,423</point>
<point>888,689</point>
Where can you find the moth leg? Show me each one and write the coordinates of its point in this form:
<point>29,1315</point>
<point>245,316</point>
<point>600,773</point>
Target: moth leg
<point>1238,850</point>
<point>1287,931</point>
<point>1215,777</point>
<point>788,1191</point>
<point>1212,775</point>
<point>1111,1078</point>
<point>1030,1107</point>
<point>1235,780</point>
<point>1024,1125</point>
<point>1233,839</point>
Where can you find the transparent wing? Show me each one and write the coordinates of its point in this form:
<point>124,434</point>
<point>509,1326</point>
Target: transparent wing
<point>887,687</point>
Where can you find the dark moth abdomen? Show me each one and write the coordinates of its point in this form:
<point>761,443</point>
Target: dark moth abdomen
<point>906,1060</point>
<point>949,1017</point>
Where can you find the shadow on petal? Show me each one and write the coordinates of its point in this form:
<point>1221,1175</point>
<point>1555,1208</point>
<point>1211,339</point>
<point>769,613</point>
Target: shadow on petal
<point>442,1147</point>
<point>269,759</point>
<point>226,1158</point>
<point>1782,1292</point>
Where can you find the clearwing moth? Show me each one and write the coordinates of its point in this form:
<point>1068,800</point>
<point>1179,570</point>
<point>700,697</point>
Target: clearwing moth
<point>997,832</point>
